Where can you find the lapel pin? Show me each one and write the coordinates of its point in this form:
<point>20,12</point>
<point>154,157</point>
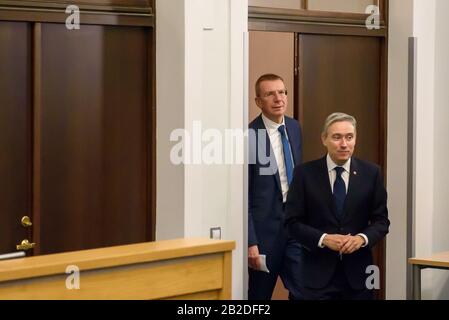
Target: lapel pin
<point>355,172</point>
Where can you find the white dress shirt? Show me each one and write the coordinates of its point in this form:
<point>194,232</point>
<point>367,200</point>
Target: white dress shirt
<point>345,176</point>
<point>276,144</point>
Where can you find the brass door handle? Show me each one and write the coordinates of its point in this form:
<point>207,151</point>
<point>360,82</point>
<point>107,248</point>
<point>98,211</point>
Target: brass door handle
<point>25,245</point>
<point>26,222</point>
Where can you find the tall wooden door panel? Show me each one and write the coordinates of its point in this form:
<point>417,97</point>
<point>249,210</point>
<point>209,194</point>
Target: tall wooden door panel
<point>92,133</point>
<point>15,135</point>
<point>340,74</point>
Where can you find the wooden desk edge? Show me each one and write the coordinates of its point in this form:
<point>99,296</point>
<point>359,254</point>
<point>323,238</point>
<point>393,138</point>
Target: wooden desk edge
<point>437,260</point>
<point>52,264</point>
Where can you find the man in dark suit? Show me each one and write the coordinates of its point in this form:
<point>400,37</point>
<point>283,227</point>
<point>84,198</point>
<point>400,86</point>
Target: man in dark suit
<point>337,210</point>
<point>275,148</point>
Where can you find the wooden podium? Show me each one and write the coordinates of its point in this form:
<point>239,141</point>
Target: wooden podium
<point>171,269</point>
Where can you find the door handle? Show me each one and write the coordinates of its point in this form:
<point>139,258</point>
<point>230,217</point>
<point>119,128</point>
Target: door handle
<point>26,222</point>
<point>25,245</point>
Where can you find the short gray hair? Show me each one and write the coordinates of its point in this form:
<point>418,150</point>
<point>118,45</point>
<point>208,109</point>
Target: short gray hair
<point>337,117</point>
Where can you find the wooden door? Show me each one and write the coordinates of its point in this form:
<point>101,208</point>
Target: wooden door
<point>343,74</point>
<point>92,138</point>
<point>15,133</point>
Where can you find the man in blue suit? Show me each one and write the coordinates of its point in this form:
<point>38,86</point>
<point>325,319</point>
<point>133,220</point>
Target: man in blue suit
<point>275,148</point>
<point>337,210</point>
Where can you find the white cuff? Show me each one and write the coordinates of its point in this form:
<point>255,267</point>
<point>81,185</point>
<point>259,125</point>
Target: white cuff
<point>320,243</point>
<point>364,237</point>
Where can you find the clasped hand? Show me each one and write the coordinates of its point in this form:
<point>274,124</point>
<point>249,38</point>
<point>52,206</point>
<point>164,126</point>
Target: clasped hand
<point>344,244</point>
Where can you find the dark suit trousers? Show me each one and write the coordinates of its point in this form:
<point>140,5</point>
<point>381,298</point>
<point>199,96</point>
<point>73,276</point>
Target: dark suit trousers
<point>283,262</point>
<point>337,289</point>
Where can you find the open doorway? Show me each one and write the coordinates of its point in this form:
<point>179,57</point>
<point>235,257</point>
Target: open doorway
<point>326,73</point>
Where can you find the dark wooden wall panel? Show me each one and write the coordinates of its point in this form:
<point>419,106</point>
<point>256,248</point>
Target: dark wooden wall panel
<point>94,12</point>
<point>15,112</point>
<point>94,158</point>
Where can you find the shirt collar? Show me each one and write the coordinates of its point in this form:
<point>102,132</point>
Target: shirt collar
<point>331,164</point>
<point>272,126</point>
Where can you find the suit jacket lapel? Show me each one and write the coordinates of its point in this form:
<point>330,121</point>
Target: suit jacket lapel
<point>354,185</point>
<point>324,183</point>
<point>268,148</point>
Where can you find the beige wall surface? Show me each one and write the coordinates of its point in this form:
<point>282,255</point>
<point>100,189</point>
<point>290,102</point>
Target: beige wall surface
<point>354,6</point>
<point>400,28</point>
<point>424,15</point>
<point>284,4</point>
<point>271,52</point>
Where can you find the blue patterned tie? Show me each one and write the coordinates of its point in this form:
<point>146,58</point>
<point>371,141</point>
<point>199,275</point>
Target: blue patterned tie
<point>339,191</point>
<point>287,154</point>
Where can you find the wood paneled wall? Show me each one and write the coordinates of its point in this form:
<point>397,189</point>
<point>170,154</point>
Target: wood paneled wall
<point>77,121</point>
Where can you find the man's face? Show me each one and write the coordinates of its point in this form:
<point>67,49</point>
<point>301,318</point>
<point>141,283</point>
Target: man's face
<point>272,99</point>
<point>340,141</point>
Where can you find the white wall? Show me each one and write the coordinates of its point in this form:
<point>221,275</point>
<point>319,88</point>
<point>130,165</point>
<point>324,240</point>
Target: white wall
<point>432,204</point>
<point>424,30</point>
<point>400,28</point>
<point>170,70</point>
<point>425,20</point>
<point>214,194</point>
<point>440,227</point>
<point>238,118</point>
<point>200,77</point>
